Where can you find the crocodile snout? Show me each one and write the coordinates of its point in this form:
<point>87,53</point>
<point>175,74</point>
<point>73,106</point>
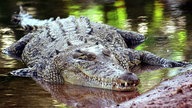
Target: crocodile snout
<point>126,82</point>
<point>131,78</point>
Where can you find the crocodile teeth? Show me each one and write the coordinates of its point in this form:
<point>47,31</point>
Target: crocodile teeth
<point>125,84</point>
<point>99,79</point>
<point>116,84</point>
<point>102,79</point>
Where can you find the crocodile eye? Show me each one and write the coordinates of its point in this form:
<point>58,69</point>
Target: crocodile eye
<point>84,55</point>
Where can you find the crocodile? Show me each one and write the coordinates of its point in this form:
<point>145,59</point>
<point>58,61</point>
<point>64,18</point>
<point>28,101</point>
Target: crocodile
<point>80,52</point>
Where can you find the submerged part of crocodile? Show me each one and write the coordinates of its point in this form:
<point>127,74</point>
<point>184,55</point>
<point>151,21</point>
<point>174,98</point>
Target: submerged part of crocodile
<point>80,52</point>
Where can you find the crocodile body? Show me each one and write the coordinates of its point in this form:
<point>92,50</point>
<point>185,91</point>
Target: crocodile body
<point>80,52</point>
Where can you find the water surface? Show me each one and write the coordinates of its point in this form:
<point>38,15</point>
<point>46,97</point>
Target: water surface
<point>166,27</point>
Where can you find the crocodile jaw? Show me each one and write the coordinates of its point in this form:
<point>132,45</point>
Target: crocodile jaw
<point>116,84</point>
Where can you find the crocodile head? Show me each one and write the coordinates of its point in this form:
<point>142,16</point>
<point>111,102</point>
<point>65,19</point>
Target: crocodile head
<point>95,66</point>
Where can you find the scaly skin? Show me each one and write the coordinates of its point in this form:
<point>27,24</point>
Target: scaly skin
<point>80,52</point>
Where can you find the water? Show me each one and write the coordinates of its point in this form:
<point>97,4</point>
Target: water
<point>167,28</point>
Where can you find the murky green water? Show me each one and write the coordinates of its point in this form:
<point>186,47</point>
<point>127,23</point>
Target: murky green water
<point>167,28</point>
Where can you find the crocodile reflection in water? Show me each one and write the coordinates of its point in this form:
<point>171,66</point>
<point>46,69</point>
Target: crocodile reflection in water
<point>78,96</point>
